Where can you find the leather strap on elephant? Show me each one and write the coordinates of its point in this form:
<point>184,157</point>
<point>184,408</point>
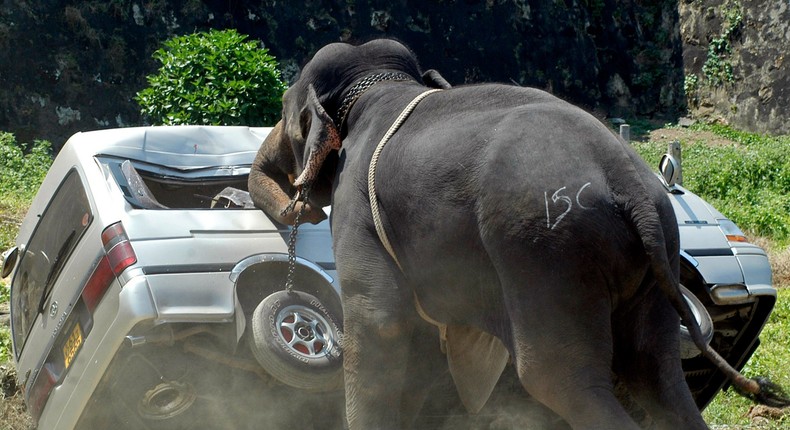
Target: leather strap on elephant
<point>374,204</point>
<point>362,86</point>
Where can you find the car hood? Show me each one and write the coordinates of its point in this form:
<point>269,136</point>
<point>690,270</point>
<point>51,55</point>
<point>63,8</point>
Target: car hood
<point>698,224</point>
<point>690,209</point>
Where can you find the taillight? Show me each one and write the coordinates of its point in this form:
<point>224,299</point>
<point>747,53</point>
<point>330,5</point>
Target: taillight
<point>118,248</point>
<point>118,256</point>
<point>39,392</point>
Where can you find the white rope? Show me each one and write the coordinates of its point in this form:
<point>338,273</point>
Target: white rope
<point>374,204</point>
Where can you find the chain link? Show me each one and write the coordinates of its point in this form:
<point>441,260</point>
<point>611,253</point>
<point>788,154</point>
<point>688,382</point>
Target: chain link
<point>289,279</point>
<point>362,86</point>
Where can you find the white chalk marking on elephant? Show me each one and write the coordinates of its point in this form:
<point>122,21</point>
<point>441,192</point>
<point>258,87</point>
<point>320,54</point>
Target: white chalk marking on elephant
<point>554,198</point>
<point>579,193</point>
<point>567,200</point>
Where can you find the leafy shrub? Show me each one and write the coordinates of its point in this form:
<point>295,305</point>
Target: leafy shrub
<point>213,78</point>
<point>22,171</point>
<point>748,181</point>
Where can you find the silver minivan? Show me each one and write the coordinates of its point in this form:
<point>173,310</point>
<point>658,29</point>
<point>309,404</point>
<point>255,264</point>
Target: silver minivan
<point>136,274</point>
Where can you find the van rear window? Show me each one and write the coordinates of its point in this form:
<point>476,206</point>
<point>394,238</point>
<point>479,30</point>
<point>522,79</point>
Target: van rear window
<point>57,233</point>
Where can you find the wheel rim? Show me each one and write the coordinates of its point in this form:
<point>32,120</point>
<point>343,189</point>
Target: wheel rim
<point>304,331</point>
<point>167,400</point>
<point>694,311</point>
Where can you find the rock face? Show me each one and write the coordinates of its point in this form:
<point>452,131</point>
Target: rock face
<point>737,62</point>
<point>67,66</point>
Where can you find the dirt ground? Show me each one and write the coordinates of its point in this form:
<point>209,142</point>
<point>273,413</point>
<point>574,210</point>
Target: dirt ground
<point>13,415</point>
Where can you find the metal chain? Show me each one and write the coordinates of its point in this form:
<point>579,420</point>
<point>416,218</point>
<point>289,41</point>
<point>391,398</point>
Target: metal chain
<point>289,279</point>
<point>362,86</point>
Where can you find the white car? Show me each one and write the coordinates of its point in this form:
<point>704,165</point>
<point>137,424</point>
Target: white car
<point>148,293</point>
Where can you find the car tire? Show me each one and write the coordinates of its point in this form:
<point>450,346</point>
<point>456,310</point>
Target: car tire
<point>687,347</point>
<point>297,340</point>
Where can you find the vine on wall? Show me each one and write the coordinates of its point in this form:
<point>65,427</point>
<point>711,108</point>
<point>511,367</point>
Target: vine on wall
<point>718,66</point>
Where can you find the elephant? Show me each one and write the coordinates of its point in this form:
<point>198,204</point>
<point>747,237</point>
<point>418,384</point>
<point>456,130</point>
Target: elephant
<point>518,225</point>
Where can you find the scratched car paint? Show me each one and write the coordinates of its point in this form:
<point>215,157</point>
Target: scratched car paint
<point>140,265</point>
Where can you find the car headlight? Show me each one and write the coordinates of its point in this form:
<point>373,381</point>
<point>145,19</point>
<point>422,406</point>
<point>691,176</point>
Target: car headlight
<point>731,231</point>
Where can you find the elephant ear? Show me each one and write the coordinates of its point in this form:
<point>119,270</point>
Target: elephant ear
<point>322,138</point>
<point>433,79</point>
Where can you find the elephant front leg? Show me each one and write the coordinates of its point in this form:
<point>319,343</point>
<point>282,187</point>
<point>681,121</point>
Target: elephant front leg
<point>375,348</point>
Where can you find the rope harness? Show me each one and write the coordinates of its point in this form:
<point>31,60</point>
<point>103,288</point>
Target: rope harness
<point>374,204</point>
<point>356,91</point>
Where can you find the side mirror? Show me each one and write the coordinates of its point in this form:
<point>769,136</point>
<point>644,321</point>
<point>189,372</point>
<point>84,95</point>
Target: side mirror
<point>670,170</point>
<point>9,261</point>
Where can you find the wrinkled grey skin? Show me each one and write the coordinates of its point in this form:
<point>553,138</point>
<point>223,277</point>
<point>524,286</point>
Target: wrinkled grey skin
<point>271,178</point>
<point>512,213</point>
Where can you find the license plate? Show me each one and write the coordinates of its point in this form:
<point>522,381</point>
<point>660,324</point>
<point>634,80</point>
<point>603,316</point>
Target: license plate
<point>73,344</point>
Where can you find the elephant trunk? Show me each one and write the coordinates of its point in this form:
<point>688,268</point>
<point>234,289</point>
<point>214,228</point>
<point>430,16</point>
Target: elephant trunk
<point>322,138</point>
<point>271,176</point>
<point>316,159</point>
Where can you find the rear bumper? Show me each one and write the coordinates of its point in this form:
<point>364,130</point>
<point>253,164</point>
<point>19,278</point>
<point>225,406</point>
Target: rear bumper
<point>133,304</point>
<point>144,300</point>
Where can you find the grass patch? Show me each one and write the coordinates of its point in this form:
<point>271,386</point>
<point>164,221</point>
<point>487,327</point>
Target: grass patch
<point>770,360</point>
<point>5,331</point>
<point>747,178</point>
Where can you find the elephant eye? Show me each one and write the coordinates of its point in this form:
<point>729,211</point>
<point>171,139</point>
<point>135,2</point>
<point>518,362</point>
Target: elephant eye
<point>305,118</point>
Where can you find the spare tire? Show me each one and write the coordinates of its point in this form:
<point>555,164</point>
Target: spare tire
<point>297,340</point>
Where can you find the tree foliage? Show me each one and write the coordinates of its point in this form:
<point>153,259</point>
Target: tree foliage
<point>215,77</point>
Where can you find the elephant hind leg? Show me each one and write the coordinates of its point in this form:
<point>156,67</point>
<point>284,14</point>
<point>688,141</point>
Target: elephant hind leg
<point>652,369</point>
<point>562,345</point>
<point>576,384</point>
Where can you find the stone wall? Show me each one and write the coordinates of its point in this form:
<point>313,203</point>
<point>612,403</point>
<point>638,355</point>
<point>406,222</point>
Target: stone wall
<point>70,65</point>
<point>745,79</point>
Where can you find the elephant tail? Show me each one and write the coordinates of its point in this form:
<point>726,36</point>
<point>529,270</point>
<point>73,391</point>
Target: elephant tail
<point>641,210</point>
<point>643,214</point>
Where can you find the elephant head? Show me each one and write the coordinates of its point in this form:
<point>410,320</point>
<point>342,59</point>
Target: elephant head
<point>302,150</point>
<point>272,178</point>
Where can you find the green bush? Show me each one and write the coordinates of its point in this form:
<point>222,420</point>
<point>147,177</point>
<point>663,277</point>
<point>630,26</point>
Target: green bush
<point>22,167</point>
<point>215,78</point>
